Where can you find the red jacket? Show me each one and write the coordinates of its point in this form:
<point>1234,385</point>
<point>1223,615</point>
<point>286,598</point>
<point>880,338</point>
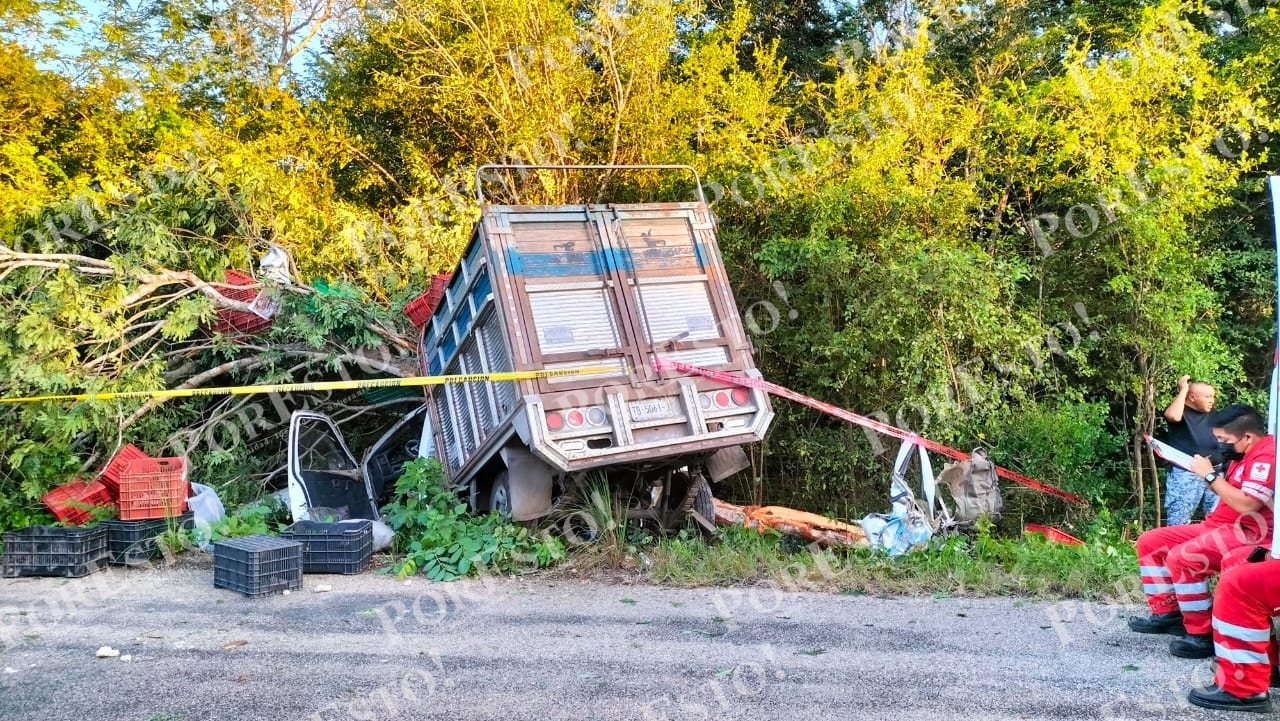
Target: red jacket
<point>1255,475</point>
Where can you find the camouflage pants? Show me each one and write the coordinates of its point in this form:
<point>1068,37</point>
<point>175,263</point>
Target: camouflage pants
<point>1183,491</point>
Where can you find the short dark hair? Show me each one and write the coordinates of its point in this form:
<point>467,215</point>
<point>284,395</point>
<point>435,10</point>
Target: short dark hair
<point>1239,419</point>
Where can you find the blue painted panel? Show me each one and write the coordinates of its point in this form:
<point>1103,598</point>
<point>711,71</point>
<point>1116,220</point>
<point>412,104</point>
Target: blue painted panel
<point>513,262</point>
<point>463,321</point>
<point>482,288</point>
<point>448,345</point>
<point>620,259</point>
<point>433,366</point>
<point>554,265</point>
<point>701,254</point>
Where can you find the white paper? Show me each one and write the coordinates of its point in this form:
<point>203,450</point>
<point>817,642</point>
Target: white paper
<point>1170,454</point>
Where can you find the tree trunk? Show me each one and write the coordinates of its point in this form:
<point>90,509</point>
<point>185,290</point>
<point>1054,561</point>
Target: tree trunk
<point>1146,417</point>
<point>1139,490</point>
<point>1155,482</point>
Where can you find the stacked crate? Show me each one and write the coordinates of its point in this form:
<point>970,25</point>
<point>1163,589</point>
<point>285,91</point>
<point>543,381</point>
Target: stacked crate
<point>153,488</point>
<point>53,551</point>
<point>110,476</point>
<point>73,503</point>
<point>420,309</point>
<point>242,287</point>
<point>134,542</point>
<point>345,547</point>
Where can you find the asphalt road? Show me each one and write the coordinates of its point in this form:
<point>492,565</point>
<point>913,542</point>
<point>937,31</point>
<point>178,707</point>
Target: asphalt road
<point>539,648</point>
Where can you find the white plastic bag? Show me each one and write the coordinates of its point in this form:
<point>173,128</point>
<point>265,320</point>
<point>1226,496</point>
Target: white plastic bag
<point>207,508</point>
<point>382,533</point>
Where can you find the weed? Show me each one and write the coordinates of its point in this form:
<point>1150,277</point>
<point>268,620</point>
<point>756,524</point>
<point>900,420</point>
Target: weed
<point>602,521</point>
<point>949,566</point>
<point>441,539</point>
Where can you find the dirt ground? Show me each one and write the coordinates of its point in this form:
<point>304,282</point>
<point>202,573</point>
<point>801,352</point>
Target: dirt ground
<point>372,647</point>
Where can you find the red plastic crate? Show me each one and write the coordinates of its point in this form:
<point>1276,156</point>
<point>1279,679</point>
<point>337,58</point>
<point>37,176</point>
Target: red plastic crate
<point>234,277</point>
<point>1053,534</point>
<point>68,502</point>
<point>420,309</point>
<point>110,476</point>
<point>153,488</point>
<point>232,322</point>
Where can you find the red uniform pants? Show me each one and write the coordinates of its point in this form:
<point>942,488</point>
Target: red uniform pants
<point>1248,596</point>
<point>1176,563</point>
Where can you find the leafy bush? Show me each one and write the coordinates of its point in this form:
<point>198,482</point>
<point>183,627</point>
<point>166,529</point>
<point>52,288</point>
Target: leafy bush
<point>441,539</point>
<point>264,518</point>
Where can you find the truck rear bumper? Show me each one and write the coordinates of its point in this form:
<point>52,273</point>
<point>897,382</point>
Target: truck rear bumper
<point>688,433</point>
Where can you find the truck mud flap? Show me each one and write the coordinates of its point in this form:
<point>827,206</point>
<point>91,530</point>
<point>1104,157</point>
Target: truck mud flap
<point>530,481</point>
<point>726,462</point>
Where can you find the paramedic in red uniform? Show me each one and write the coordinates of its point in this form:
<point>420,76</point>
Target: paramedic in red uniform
<point>1176,562</point>
<point>1248,596</point>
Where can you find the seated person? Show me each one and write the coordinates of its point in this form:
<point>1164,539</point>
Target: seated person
<point>1248,596</point>
<point>1176,562</point>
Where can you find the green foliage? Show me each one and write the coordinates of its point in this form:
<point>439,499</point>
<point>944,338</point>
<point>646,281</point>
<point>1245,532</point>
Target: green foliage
<point>440,539</point>
<point>894,188</point>
<point>266,518</point>
<point>1067,445</point>
<point>957,564</point>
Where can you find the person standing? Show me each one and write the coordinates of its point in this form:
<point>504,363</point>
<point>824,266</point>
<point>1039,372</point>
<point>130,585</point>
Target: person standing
<point>1190,431</point>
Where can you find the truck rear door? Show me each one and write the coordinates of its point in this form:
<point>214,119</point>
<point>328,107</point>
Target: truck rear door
<point>676,293</point>
<point>567,296</point>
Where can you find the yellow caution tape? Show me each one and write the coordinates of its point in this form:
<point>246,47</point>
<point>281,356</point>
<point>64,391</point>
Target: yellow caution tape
<point>321,385</point>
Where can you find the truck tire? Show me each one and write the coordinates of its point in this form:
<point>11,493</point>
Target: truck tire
<point>500,496</point>
<point>704,503</point>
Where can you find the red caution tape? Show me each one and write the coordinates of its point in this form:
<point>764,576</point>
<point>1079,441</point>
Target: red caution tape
<point>882,428</point>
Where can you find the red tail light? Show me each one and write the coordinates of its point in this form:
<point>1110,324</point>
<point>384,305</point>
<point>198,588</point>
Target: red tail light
<point>555,421</point>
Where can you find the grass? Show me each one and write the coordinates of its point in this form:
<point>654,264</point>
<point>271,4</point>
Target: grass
<point>950,566</point>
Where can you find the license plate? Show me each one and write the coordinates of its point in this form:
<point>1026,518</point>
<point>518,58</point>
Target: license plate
<point>651,409</point>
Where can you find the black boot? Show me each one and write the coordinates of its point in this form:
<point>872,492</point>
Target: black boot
<point>1215,698</point>
<point>1193,645</point>
<point>1158,623</point>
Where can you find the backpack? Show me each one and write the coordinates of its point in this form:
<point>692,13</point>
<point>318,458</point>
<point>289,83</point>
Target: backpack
<point>974,488</point>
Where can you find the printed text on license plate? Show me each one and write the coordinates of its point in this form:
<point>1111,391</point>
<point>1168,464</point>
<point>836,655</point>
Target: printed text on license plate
<point>651,409</point>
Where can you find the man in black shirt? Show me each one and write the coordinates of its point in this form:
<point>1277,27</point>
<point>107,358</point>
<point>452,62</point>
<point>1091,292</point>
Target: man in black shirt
<point>1190,431</point>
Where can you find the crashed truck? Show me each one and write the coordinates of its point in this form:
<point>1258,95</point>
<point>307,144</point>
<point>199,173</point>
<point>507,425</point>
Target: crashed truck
<point>593,291</point>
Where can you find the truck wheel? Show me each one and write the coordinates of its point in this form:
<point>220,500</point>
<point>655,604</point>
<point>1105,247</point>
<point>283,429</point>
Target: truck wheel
<point>704,504</point>
<point>500,496</point>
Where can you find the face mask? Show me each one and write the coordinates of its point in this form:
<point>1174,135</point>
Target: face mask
<point>1228,451</point>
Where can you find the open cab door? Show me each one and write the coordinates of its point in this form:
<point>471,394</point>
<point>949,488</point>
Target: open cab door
<point>384,462</point>
<point>323,475</point>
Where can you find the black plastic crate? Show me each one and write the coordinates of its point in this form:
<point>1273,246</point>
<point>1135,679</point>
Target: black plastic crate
<point>257,565</point>
<point>54,551</point>
<point>134,542</point>
<point>333,547</point>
